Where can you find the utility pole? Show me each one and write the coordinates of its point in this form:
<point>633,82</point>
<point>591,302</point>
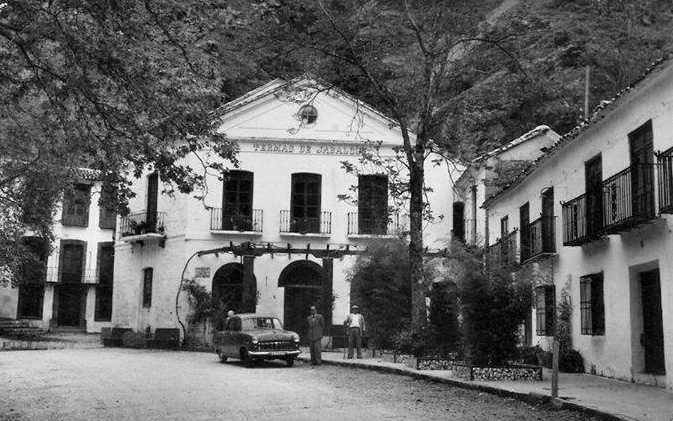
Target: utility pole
<point>587,76</point>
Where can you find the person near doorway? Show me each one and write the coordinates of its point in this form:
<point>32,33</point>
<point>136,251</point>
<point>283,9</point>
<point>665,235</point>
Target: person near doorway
<point>355,323</point>
<point>316,326</point>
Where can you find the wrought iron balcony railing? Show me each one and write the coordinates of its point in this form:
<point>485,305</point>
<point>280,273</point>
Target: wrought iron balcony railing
<point>628,198</point>
<point>504,251</point>
<point>388,224</point>
<point>541,238</point>
<point>221,221</point>
<point>665,173</point>
<point>316,225</point>
<point>142,223</point>
<point>625,200</point>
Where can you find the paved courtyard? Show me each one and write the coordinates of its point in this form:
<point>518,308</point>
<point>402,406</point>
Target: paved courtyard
<point>128,384</point>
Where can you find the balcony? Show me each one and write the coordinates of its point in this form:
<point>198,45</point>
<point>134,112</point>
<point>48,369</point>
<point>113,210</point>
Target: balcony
<point>503,252</point>
<point>628,198</point>
<point>665,173</point>
<point>321,225</point>
<point>220,221</point>
<point>541,239</point>
<point>143,226</point>
<point>624,201</point>
<point>385,226</point>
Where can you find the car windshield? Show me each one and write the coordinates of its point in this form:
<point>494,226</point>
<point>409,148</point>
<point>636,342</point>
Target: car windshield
<point>261,323</point>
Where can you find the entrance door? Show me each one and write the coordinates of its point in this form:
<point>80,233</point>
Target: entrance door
<point>298,301</point>
<point>593,174</point>
<point>652,338</point>
<point>642,170</point>
<point>70,299</point>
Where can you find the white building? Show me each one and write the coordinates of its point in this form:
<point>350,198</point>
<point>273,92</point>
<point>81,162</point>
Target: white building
<point>274,237</point>
<point>484,177</point>
<point>594,217</point>
<point>73,288</point>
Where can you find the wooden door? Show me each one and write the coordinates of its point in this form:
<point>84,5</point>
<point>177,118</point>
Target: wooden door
<point>642,171</point>
<point>652,338</point>
<point>593,173</point>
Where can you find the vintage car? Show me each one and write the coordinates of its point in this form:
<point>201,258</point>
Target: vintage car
<point>254,337</point>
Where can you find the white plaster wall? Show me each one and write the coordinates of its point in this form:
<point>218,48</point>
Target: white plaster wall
<point>618,353</point>
<point>92,235</point>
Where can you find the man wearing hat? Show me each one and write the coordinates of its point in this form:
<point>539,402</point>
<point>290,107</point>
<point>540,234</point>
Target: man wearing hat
<point>355,324</point>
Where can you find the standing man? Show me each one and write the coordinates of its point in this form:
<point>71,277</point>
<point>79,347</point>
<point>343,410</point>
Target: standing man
<point>355,323</point>
<point>316,325</point>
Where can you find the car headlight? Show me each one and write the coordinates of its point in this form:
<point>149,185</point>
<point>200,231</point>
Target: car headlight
<point>295,337</point>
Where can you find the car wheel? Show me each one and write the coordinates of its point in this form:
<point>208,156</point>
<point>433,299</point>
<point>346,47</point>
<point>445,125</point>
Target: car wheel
<point>245,357</point>
<point>223,358</point>
<point>290,362</point>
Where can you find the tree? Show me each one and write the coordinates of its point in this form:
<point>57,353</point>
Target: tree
<point>399,56</point>
<point>116,86</point>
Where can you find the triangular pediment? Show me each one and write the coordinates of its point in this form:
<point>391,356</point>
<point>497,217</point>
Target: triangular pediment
<point>273,112</point>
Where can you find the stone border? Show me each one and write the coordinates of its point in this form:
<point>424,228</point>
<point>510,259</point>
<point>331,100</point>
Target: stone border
<point>481,372</point>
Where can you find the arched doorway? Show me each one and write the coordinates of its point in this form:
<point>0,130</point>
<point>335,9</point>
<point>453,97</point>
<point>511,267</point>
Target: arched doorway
<point>302,281</point>
<point>232,291</point>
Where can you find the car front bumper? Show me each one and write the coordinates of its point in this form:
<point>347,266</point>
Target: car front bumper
<point>274,354</point>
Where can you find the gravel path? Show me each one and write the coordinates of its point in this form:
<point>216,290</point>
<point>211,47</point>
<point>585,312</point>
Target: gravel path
<point>127,384</point>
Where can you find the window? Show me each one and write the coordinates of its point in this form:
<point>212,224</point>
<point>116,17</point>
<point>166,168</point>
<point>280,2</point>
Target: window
<point>147,287</point>
<point>373,204</point>
<point>71,261</point>
<point>107,217</point>
<point>105,274</point>
<point>76,206</point>
<point>237,201</point>
<point>524,223</point>
<point>305,202</point>
<point>152,202</point>
<point>504,226</point>
<point>545,302</point>
<point>591,305</point>
<point>593,174</point>
<point>308,114</point>
<point>459,221</point>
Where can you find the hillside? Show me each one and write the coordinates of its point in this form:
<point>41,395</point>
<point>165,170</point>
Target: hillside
<point>553,41</point>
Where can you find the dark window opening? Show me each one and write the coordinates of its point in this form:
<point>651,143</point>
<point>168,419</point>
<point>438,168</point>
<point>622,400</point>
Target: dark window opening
<point>458,230</point>
<point>71,261</point>
<point>237,201</point>
<point>107,216</point>
<point>524,224</point>
<point>76,206</point>
<point>147,287</point>
<point>545,302</point>
<point>373,204</point>
<point>504,226</point>
<point>305,202</point>
<point>593,173</point>
<point>592,305</point>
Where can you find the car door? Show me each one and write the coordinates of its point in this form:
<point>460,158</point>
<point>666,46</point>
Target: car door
<point>228,346</point>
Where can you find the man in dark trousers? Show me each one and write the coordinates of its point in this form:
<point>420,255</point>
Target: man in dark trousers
<point>355,323</point>
<point>316,325</point>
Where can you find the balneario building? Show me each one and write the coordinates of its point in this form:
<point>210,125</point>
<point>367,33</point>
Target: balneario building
<point>276,234</point>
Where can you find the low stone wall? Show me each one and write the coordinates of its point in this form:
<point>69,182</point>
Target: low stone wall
<point>476,372</point>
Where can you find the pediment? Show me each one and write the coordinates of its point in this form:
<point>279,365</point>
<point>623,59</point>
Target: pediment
<point>273,112</point>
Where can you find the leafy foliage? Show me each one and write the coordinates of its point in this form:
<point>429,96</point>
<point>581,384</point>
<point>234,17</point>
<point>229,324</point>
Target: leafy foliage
<point>380,286</point>
<point>116,86</point>
<point>493,305</point>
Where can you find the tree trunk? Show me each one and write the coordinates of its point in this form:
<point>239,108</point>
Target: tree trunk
<point>418,290</point>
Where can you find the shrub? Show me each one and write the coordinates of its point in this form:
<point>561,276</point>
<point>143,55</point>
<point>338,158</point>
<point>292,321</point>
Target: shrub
<point>444,311</point>
<point>380,286</point>
<point>571,361</point>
